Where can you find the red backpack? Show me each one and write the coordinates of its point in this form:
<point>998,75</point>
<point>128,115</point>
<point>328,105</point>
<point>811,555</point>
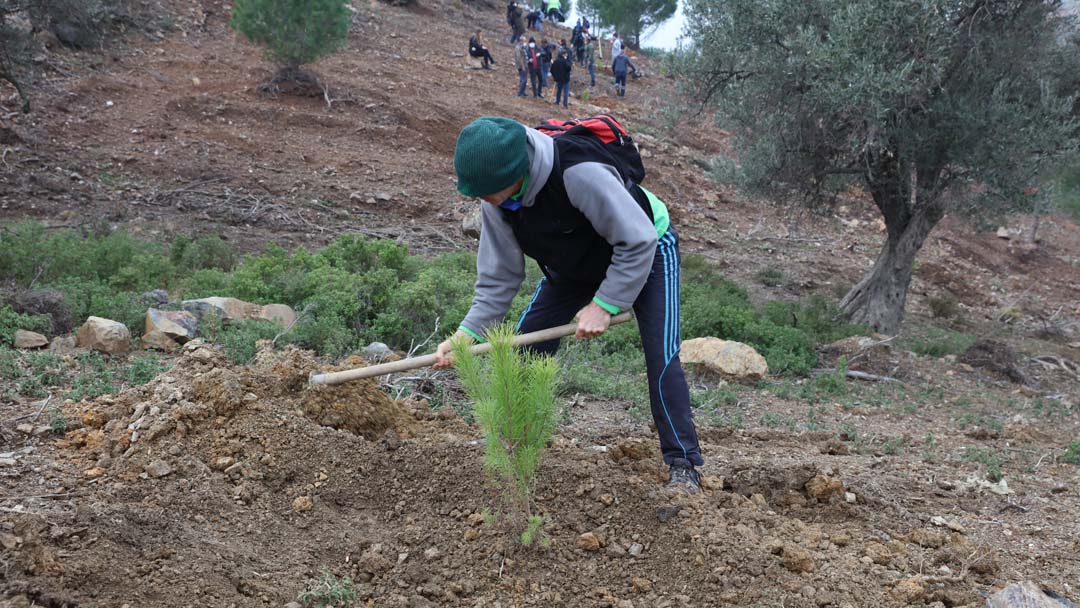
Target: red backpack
<point>615,138</point>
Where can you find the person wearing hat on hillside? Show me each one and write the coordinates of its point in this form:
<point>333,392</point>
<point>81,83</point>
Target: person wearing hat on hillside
<point>605,245</point>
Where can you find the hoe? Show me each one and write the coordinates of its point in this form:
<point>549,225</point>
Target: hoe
<point>427,360</point>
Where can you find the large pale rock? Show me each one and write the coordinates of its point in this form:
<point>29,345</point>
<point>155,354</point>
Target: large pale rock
<point>232,309</point>
<point>1024,595</point>
<point>229,309</point>
<point>104,335</point>
<point>166,330</point>
<point>29,339</point>
<point>732,360</point>
<point>278,312</point>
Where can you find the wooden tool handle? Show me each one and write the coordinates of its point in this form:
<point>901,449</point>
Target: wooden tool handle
<point>428,360</point>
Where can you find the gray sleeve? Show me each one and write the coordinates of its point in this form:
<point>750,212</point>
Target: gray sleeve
<point>598,192</point>
<point>500,268</point>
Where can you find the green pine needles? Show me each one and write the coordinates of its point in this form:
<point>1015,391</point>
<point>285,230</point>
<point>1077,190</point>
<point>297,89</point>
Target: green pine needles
<point>294,32</point>
<point>514,393</point>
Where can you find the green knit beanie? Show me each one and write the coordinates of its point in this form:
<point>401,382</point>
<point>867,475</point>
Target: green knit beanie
<point>490,156</point>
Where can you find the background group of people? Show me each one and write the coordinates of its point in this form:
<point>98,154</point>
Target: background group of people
<point>536,62</point>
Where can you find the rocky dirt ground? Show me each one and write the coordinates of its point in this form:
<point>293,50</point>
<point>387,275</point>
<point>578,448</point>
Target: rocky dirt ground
<point>218,485</point>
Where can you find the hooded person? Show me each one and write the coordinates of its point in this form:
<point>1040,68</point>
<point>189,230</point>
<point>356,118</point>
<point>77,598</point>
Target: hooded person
<point>605,245</point>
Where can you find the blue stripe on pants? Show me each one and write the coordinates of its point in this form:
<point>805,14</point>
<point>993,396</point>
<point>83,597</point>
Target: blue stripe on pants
<point>657,311</point>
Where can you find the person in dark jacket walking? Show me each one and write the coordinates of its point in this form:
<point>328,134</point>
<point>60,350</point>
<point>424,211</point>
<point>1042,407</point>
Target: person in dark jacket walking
<point>477,49</point>
<point>620,66</point>
<point>547,54</point>
<point>560,71</point>
<point>623,253</point>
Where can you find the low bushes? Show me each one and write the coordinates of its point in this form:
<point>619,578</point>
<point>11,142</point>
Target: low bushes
<point>357,290</point>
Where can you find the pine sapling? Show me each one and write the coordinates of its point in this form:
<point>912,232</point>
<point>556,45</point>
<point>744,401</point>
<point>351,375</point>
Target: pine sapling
<point>514,396</point>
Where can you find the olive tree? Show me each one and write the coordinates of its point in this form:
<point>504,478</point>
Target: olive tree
<point>931,106</point>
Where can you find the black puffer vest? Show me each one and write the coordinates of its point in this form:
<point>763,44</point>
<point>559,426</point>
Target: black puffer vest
<point>554,233</point>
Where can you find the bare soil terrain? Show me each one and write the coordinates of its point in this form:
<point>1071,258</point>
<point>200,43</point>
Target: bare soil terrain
<point>220,485</point>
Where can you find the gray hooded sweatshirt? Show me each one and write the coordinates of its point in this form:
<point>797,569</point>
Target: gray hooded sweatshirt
<point>600,194</point>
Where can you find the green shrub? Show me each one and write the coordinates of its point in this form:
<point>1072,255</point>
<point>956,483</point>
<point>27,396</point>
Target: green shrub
<point>936,342</point>
<point>771,277</point>
<point>988,459</point>
<point>238,337</point>
<point>294,32</point>
<point>1067,192</point>
<point>943,307</point>
<point>1072,453</point>
<point>204,284</point>
<point>328,591</point>
<point>206,252</point>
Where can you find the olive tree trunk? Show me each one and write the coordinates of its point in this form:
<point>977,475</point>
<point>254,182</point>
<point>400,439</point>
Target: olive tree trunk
<point>878,300</point>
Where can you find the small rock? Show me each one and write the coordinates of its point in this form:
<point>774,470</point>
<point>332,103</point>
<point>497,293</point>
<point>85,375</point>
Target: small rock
<point>302,503</point>
<point>607,499</point>
<point>641,585</point>
<point>476,519</point>
<point>383,197</point>
<point>631,449</point>
<point>377,351</point>
<point>878,553</point>
<point>95,472</point>
<point>822,487</point>
<point>728,359</point>
<point>25,429</point>
<point>908,590</point>
<point>836,448</point>
<point>472,534</point>
<point>62,345</point>
<point>1003,233</point>
<point>104,335</point>
<point>797,559</point>
<point>927,538</point>
<point>9,541</point>
<point>158,468</point>
<point>432,553</point>
<point>589,542</point>
<point>849,497</point>
<point>666,512</point>
<point>7,462</point>
<point>636,549</point>
<point>29,339</point>
<point>471,224</point>
<point>157,296</point>
<point>222,462</point>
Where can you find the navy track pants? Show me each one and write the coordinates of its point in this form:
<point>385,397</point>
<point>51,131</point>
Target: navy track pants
<point>657,313</point>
